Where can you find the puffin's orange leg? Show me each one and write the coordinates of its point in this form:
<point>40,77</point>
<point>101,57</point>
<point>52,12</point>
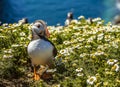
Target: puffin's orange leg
<point>36,76</point>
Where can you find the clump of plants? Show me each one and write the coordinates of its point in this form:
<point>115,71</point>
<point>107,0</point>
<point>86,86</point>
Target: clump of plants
<point>88,54</point>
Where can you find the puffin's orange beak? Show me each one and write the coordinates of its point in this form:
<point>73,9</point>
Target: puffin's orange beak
<point>47,33</point>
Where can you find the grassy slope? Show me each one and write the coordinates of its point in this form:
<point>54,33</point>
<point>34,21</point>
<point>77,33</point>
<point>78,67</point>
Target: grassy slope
<point>86,50</point>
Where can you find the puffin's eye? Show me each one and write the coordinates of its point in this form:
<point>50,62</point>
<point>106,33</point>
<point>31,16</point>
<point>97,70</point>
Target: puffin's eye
<point>38,25</point>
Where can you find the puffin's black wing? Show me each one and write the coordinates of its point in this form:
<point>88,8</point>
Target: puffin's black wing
<point>54,48</point>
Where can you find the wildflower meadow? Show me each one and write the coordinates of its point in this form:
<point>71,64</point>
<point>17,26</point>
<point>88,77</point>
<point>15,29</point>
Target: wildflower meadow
<point>88,54</point>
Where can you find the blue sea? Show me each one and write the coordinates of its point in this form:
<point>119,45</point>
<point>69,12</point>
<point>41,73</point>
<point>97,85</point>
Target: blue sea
<point>55,11</point>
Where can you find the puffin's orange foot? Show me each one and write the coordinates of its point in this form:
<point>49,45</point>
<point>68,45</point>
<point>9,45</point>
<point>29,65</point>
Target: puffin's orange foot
<point>36,77</point>
<point>47,76</point>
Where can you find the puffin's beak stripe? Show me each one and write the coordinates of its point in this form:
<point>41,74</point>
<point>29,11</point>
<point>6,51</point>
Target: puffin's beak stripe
<point>47,33</point>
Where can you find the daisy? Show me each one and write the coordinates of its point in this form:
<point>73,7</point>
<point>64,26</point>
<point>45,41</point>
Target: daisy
<point>81,17</point>
<point>22,34</point>
<point>79,70</point>
<point>2,36</point>
<point>91,80</point>
<point>64,51</point>
<point>115,67</point>
<point>99,53</point>
<point>96,19</point>
<point>80,74</point>
<point>66,42</point>
<point>14,30</point>
<point>8,51</point>
<point>7,56</point>
<point>16,45</point>
<point>83,55</point>
<point>111,61</point>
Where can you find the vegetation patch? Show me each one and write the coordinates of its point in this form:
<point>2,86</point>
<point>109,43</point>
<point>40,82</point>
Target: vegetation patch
<point>88,55</point>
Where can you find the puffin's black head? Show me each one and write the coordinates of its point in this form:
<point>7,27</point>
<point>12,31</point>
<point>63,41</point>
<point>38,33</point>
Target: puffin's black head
<point>40,28</point>
<point>70,15</point>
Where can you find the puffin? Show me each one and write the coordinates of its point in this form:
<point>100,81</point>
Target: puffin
<point>23,21</point>
<point>116,20</point>
<point>69,18</point>
<point>0,23</point>
<point>41,50</point>
<point>118,4</point>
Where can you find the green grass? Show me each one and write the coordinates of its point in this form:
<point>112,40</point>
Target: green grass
<point>88,54</point>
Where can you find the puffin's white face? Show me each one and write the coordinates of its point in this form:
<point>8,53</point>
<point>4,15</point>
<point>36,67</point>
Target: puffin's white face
<point>68,14</point>
<point>40,28</point>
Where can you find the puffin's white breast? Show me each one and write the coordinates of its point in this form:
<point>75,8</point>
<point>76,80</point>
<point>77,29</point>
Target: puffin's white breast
<point>40,51</point>
<point>67,22</point>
